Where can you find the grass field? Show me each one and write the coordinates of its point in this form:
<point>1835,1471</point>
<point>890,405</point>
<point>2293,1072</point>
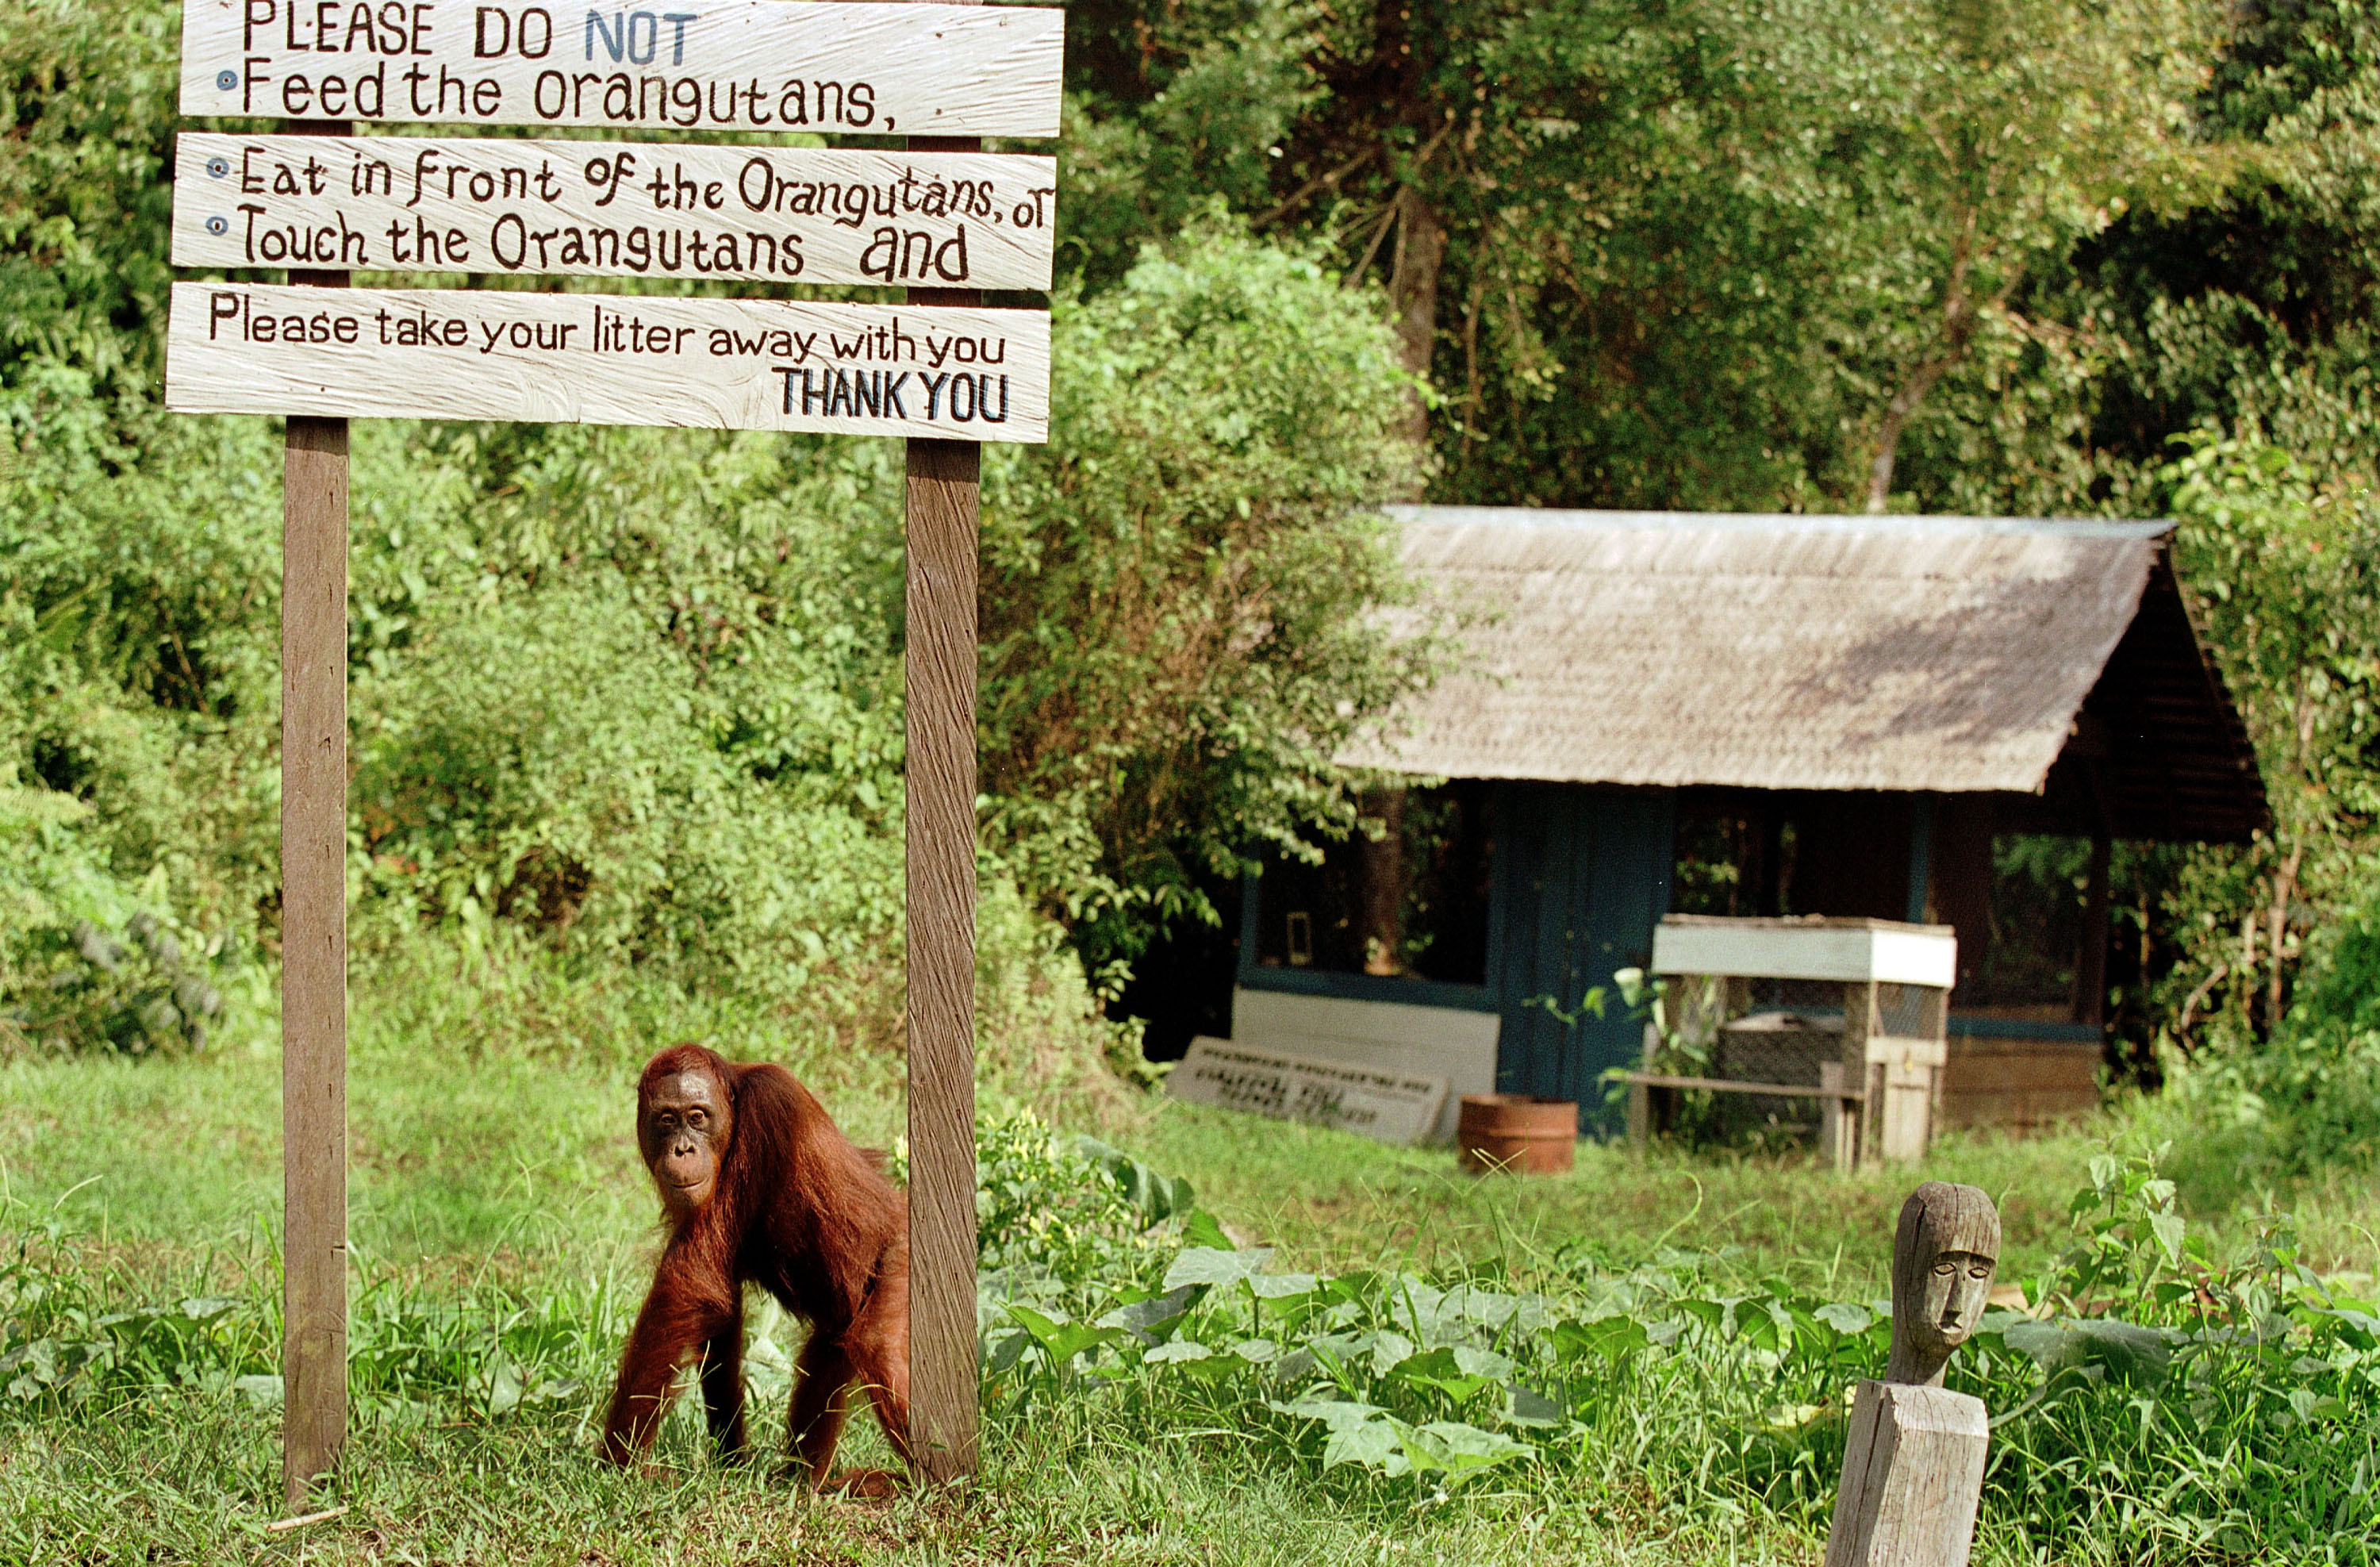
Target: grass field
<point>491,1160</point>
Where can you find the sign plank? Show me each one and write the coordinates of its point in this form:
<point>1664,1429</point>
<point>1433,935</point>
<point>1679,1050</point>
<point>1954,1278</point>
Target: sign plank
<point>602,209</point>
<point>860,68</point>
<point>593,359</point>
<point>1387,1106</point>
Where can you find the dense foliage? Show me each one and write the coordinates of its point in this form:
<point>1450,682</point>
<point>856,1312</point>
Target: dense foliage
<point>1981,256</point>
<point>635,692</point>
<point>639,691</point>
<point>2249,1382</point>
<point>1732,255</point>
<point>1169,662</point>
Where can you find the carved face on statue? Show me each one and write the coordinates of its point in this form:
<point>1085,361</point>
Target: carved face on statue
<point>1943,1257</point>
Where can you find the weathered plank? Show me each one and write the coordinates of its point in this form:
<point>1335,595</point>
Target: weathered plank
<point>588,359</point>
<point>1839,1115</point>
<point>1389,1107</point>
<point>871,69</point>
<point>605,209</point>
<point>314,951</point>
<point>1912,1474</point>
<point>1397,1038</point>
<point>940,780</point>
<point>1731,1085</point>
<point>314,936</point>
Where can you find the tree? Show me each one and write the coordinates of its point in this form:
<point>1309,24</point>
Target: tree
<point>2287,565</point>
<point>1724,252</point>
<point>1989,139</point>
<point>1181,589</point>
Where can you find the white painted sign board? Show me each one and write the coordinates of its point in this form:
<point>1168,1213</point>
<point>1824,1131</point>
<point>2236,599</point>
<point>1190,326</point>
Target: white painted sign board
<point>605,209</point>
<point>1392,1037</point>
<point>875,70</point>
<point>942,372</point>
<point>1387,1106</point>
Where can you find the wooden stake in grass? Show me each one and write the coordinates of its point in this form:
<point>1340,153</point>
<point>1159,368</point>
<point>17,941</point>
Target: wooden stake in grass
<point>1914,1468</point>
<point>314,935</point>
<point>942,520</point>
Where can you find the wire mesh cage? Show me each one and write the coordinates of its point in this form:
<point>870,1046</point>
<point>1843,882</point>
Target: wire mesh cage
<point>1775,1046</point>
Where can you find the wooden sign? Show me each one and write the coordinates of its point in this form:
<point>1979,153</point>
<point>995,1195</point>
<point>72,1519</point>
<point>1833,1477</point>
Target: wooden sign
<point>967,375</point>
<point>883,69</point>
<point>601,209</point>
<point>1390,1107</point>
<point>940,370</point>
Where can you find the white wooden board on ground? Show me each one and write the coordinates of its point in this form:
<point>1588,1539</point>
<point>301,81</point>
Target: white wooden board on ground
<point>1390,1107</point>
<point>1395,1036</point>
<point>591,359</point>
<point>872,70</point>
<point>605,209</point>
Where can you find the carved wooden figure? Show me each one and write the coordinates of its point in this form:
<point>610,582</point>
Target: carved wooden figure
<point>1943,1256</point>
<point>1914,1468</point>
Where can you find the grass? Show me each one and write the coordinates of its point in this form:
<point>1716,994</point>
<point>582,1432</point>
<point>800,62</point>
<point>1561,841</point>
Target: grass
<point>190,1483</point>
<point>490,1152</point>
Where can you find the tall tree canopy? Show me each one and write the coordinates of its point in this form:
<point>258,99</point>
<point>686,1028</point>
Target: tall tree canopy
<point>1915,254</point>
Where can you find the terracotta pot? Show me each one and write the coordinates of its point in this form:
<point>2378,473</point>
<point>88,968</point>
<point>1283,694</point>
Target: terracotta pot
<point>1514,1132</point>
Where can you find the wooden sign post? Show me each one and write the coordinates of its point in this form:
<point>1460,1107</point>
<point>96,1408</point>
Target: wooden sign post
<point>941,771</point>
<point>943,522</point>
<point>943,219</point>
<point>313,939</point>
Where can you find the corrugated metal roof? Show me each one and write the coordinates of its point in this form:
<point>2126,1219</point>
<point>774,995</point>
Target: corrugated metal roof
<point>1945,654</point>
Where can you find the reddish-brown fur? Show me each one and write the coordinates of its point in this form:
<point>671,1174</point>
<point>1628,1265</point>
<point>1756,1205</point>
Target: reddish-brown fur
<point>801,1212</point>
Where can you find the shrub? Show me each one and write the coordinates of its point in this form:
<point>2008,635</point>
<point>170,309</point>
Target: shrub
<point>88,964</point>
<point>1182,590</point>
<point>2311,1095</point>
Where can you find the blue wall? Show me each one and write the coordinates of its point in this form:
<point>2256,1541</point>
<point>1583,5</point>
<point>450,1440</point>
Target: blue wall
<point>1581,877</point>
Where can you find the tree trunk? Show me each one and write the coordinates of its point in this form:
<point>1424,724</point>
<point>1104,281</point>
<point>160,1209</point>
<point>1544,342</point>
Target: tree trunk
<point>1888,435</point>
<point>1412,294</point>
<point>2285,881</point>
<point>1384,882</point>
<point>1958,329</point>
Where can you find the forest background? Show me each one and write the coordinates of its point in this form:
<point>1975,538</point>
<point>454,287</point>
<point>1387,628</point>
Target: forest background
<point>628,701</point>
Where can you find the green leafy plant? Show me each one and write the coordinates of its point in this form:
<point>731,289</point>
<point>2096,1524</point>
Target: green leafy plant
<point>83,964</point>
<point>2154,1403</point>
<point>2144,1408</point>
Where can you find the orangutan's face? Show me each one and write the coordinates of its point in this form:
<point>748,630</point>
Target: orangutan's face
<point>683,1126</point>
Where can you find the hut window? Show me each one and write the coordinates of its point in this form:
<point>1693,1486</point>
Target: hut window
<point>1408,902</point>
<point>2040,884</point>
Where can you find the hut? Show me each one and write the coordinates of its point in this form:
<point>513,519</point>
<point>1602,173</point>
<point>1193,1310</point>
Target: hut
<point>1948,720</point>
